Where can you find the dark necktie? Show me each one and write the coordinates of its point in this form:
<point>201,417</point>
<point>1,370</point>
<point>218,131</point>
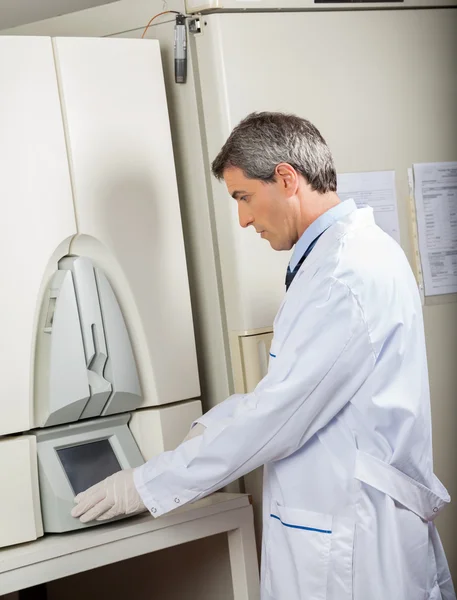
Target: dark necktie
<point>291,274</point>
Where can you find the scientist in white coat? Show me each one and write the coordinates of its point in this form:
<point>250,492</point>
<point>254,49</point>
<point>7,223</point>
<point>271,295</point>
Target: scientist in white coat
<point>342,419</point>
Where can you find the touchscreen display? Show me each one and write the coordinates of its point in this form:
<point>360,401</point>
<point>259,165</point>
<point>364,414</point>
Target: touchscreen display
<point>87,464</point>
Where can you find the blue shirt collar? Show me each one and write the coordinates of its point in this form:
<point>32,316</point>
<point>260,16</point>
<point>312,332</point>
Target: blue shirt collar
<point>317,227</point>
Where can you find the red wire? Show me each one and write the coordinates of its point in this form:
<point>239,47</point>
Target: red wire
<point>165,12</point>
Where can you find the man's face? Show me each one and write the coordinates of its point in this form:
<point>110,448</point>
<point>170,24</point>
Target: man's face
<point>268,207</point>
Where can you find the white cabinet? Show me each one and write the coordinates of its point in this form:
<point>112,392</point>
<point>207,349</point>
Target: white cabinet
<point>20,516</point>
<point>87,170</point>
<point>126,201</point>
<point>38,219</point>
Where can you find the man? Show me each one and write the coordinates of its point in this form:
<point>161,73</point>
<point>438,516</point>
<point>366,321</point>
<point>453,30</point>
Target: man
<point>342,419</point>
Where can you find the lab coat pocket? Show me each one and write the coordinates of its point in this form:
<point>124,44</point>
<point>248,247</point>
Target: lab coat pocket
<point>298,554</point>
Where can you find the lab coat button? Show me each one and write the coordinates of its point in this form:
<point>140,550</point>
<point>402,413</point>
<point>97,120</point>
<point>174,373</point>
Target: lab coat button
<point>153,510</point>
<point>435,509</point>
<point>177,500</point>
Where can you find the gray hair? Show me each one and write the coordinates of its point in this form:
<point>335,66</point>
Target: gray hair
<point>263,140</point>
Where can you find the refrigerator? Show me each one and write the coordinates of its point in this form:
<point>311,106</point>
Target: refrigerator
<point>379,81</point>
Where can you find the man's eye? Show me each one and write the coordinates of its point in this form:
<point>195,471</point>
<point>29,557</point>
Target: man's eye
<point>244,198</point>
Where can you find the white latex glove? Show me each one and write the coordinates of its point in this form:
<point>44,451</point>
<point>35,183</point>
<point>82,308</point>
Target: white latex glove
<point>116,495</point>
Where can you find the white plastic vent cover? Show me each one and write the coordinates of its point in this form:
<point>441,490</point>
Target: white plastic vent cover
<point>84,364</point>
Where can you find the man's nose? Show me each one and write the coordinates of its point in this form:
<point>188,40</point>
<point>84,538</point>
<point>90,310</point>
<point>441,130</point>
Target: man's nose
<point>244,217</point>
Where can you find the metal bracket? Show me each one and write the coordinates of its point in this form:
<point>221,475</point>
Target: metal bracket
<point>195,26</point>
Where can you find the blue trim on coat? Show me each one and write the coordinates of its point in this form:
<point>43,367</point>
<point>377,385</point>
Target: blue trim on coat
<point>300,526</point>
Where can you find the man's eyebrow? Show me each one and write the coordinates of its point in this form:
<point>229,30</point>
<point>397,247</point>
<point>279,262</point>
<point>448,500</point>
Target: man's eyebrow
<point>237,193</point>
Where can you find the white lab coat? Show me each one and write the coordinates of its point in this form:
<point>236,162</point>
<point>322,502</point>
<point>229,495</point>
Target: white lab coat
<point>342,423</point>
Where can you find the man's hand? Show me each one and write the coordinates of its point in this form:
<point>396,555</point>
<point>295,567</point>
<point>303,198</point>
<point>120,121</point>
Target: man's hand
<point>116,495</point>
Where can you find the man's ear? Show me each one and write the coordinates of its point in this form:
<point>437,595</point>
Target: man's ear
<point>287,177</point>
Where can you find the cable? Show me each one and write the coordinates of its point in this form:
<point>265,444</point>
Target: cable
<point>165,12</point>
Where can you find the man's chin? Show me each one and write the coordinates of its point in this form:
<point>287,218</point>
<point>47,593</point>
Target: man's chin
<point>278,246</point>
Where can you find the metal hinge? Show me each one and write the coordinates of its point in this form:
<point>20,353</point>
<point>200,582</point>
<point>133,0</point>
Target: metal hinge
<point>195,26</point>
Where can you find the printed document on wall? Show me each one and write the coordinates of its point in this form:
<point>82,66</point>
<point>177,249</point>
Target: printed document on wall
<point>375,189</point>
<point>435,193</point>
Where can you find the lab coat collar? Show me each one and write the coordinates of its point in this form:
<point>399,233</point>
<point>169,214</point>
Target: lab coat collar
<point>317,227</point>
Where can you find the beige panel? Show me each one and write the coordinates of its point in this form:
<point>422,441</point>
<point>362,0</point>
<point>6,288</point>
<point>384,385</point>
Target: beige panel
<point>20,512</point>
<point>37,219</point>
<point>162,429</point>
<point>126,199</point>
<point>255,356</point>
